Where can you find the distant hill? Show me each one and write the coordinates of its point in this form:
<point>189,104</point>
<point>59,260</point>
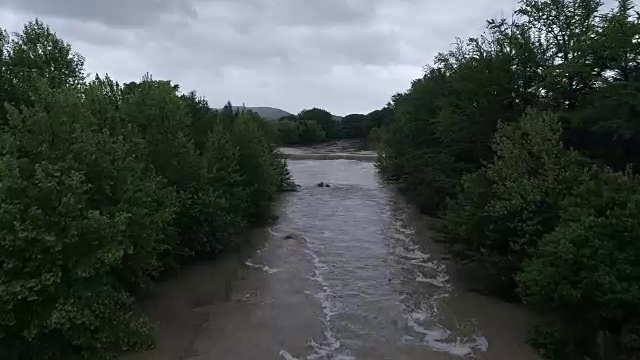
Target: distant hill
<point>270,113</point>
<point>266,112</point>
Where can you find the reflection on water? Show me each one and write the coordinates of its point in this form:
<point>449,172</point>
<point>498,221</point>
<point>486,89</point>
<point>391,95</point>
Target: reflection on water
<point>349,272</point>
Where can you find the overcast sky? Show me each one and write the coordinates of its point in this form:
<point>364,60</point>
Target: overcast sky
<point>341,55</point>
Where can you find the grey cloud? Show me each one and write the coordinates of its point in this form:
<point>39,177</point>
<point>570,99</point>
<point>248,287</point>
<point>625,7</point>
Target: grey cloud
<point>289,46</point>
<point>343,55</point>
<point>304,13</point>
<point>120,13</point>
<point>326,12</point>
<point>93,32</point>
<point>140,13</point>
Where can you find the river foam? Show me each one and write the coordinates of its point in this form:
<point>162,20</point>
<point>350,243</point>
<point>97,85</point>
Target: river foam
<point>330,344</point>
<point>264,268</point>
<point>422,320</point>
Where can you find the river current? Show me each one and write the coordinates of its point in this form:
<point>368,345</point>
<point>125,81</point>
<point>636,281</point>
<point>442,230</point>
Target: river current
<point>349,271</point>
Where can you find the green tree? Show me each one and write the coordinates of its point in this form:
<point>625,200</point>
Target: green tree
<point>311,132</point>
<point>566,32</point>
<point>202,117</point>
<point>287,131</point>
<point>504,208</point>
<point>258,165</point>
<point>381,117</point>
<point>604,124</point>
<point>34,55</point>
<point>102,188</point>
<point>540,207</point>
<point>78,214</point>
<point>227,115</point>
<point>355,126</point>
<point>323,118</point>
<point>586,271</point>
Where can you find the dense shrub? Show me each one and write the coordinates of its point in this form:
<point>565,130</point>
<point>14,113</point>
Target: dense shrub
<point>78,214</point>
<point>587,270</point>
<point>505,207</point>
<point>102,188</point>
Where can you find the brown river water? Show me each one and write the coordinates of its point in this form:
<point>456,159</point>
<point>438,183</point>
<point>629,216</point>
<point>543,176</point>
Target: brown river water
<point>348,272</point>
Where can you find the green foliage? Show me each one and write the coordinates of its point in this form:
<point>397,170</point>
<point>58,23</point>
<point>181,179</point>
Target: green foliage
<point>288,132</point>
<point>323,119</point>
<point>377,123</point>
<point>203,119</point>
<point>78,214</point>
<point>316,126</point>
<point>311,132</point>
<point>526,140</point>
<point>355,126</point>
<point>505,207</point>
<point>32,56</point>
<point>379,118</point>
<point>102,188</point>
<point>292,131</point>
<point>260,168</point>
<point>586,269</point>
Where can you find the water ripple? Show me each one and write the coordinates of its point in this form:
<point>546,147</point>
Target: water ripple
<point>377,284</point>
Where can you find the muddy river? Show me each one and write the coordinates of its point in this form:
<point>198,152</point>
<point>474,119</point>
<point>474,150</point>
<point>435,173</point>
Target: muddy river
<point>349,271</point>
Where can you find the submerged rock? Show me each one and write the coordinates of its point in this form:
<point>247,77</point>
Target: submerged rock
<point>294,237</point>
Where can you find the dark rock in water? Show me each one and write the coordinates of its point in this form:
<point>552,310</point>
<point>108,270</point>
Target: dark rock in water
<point>288,237</point>
<point>326,185</point>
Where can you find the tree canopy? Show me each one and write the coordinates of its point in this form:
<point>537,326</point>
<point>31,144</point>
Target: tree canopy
<point>105,186</point>
<point>315,125</point>
<point>525,140</point>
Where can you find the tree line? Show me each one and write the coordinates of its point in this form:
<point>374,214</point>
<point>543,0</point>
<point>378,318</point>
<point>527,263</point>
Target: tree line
<point>313,126</point>
<point>103,188</point>
<point>526,141</point>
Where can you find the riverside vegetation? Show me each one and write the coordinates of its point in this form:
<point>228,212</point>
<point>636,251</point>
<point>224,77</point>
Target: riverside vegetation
<point>526,140</point>
<point>103,188</point>
<point>313,126</point>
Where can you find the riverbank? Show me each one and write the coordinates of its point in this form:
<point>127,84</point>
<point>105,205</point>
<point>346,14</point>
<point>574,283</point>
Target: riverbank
<point>505,325</point>
<point>343,149</point>
<point>180,307</point>
<point>295,154</point>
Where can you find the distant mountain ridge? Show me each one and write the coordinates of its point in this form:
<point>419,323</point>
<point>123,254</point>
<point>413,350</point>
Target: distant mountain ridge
<point>266,112</point>
<point>271,113</point>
